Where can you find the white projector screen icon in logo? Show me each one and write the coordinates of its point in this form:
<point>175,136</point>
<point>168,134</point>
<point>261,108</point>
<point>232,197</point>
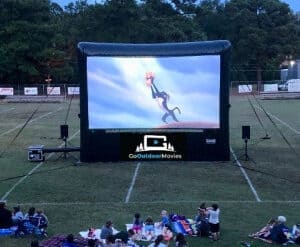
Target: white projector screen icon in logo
<point>157,143</point>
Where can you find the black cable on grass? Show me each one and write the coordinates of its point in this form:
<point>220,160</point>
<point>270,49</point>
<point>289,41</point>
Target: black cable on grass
<point>29,119</point>
<point>19,132</point>
<point>229,163</point>
<point>250,144</point>
<point>258,118</point>
<point>274,124</point>
<point>23,127</point>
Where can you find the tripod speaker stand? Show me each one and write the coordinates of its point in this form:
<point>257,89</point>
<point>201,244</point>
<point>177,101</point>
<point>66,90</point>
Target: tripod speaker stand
<point>246,137</point>
<point>64,134</point>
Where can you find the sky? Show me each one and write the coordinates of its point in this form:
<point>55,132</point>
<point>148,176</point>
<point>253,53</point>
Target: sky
<point>294,4</point>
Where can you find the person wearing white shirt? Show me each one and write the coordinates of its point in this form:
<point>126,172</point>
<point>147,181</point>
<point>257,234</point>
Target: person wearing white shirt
<point>214,222</point>
<point>17,215</point>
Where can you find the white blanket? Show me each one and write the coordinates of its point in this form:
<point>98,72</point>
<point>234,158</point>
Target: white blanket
<point>97,233</point>
<point>145,236</point>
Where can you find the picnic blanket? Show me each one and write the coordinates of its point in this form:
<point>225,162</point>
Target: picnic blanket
<point>57,241</point>
<point>144,236</point>
<point>95,235</point>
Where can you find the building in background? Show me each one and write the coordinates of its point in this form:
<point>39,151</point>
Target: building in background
<point>294,69</point>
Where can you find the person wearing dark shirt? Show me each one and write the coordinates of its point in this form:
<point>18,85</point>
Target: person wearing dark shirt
<point>5,216</point>
<point>278,232</point>
<point>106,230</point>
<point>69,242</point>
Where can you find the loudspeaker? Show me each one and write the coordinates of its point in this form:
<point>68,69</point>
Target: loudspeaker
<point>246,132</point>
<point>64,131</point>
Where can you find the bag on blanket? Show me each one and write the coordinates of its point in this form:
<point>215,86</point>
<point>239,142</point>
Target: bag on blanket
<point>182,226</point>
<point>175,217</point>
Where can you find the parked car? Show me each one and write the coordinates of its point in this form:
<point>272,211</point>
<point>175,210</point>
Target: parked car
<point>283,86</point>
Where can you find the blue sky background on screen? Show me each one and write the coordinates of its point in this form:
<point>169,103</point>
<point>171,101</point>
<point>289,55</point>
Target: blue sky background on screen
<point>193,84</point>
<point>294,4</point>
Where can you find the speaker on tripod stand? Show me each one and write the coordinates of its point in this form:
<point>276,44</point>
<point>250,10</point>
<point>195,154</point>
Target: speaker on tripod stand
<point>246,137</point>
<point>64,134</point>
<point>64,131</point>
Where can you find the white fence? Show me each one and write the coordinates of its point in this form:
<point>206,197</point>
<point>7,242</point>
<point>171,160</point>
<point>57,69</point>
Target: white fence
<point>39,90</point>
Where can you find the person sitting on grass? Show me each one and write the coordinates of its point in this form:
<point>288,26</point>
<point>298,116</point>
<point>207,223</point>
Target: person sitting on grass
<point>42,221</point>
<point>265,232</point>
<point>110,242</point>
<point>125,236</point>
<point>296,234</point>
<point>69,242</point>
<point>30,213</point>
<point>279,231</point>
<point>201,220</point>
<point>180,240</point>
<point>92,243</point>
<point>158,242</point>
<point>137,224</point>
<point>149,228</point>
<point>167,233</point>
<point>106,230</point>
<point>5,216</point>
<point>17,216</point>
<point>164,219</point>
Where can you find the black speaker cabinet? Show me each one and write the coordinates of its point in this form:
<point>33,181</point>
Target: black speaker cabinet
<point>64,131</point>
<point>246,132</point>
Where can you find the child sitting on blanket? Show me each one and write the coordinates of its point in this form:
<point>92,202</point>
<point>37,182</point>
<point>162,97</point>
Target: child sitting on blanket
<point>296,234</point>
<point>167,233</point>
<point>149,228</point>
<point>137,224</point>
<point>158,242</point>
<point>42,221</point>
<point>164,219</point>
<point>69,242</point>
<point>180,240</point>
<point>201,222</point>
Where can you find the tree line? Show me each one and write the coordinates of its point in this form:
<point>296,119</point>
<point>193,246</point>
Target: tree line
<point>38,38</point>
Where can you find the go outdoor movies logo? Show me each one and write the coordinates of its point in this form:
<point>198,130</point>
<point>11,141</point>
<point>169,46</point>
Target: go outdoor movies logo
<point>155,147</point>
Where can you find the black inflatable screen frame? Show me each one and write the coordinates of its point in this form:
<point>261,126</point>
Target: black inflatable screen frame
<point>208,145</point>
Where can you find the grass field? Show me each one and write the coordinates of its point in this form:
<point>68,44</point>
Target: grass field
<point>78,196</point>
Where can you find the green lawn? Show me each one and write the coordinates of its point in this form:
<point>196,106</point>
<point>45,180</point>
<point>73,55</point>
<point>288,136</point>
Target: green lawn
<point>76,196</point>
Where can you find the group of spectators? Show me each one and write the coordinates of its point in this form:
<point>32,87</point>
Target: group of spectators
<point>34,221</point>
<point>276,231</point>
<point>206,224</point>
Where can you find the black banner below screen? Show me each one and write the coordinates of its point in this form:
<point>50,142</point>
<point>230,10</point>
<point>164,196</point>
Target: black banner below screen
<point>151,147</point>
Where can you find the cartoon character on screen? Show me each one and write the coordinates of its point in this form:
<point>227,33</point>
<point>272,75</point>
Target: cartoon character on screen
<point>162,99</point>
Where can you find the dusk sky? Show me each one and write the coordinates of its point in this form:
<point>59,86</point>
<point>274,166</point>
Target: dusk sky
<point>294,4</point>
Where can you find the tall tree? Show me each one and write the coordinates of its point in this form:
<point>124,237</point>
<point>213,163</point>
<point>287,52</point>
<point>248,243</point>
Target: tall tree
<point>164,21</point>
<point>24,36</point>
<point>210,16</point>
<point>262,32</point>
